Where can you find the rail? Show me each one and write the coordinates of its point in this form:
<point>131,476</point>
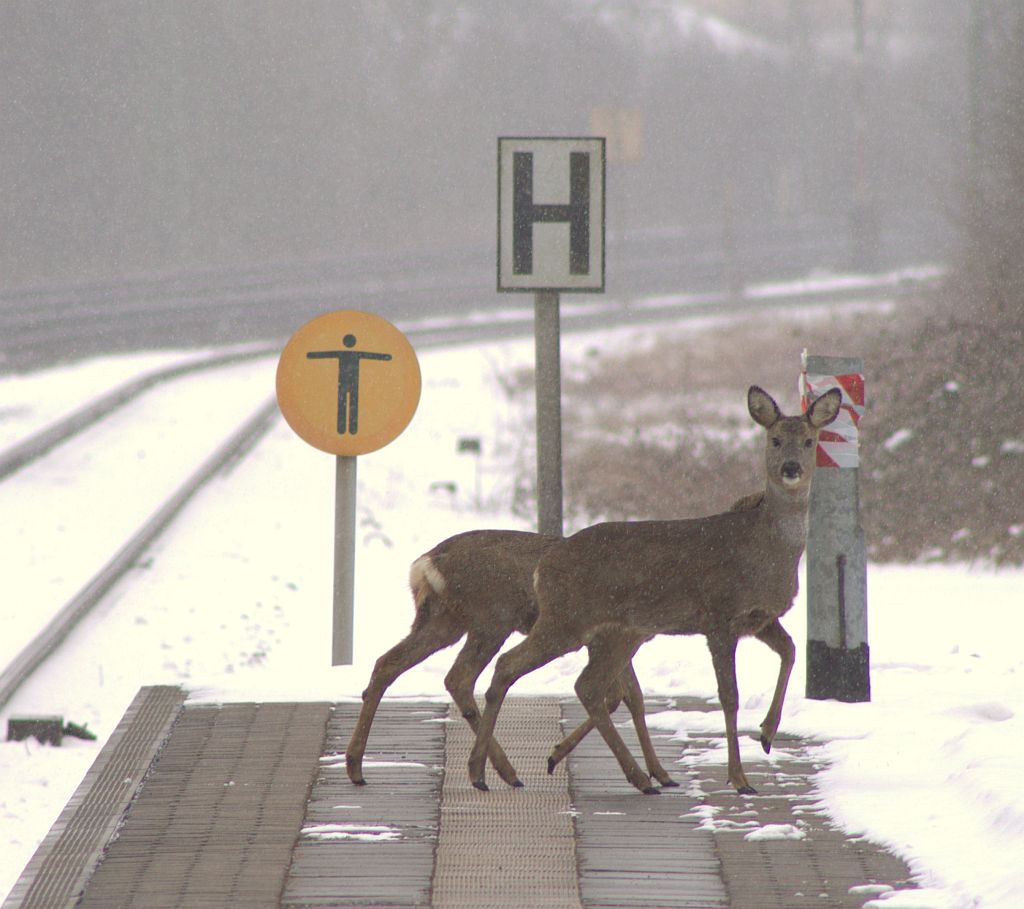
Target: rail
<point>31,657</point>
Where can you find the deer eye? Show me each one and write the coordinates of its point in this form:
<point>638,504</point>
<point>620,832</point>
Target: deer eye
<point>808,443</point>
<point>776,442</point>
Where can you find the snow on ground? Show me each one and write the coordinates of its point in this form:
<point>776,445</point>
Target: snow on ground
<point>31,401</point>
<point>234,603</point>
<point>145,451</point>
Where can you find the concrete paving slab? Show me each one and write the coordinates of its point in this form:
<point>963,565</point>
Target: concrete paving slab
<point>373,845</point>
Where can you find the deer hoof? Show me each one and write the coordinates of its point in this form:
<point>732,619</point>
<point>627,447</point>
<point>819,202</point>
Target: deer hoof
<point>651,790</point>
<point>766,744</point>
<point>552,764</point>
<point>747,790</point>
<point>518,784</point>
<point>481,785</point>
<point>669,784</point>
<point>354,770</point>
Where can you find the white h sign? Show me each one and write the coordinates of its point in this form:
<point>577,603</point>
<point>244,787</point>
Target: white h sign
<point>551,214</point>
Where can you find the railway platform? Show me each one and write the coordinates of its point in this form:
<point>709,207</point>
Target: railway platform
<point>204,806</point>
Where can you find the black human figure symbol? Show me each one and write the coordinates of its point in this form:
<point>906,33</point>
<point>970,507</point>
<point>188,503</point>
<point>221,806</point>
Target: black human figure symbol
<point>348,380</point>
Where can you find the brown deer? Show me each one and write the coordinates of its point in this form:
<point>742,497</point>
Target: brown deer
<point>611,587</point>
<point>478,584</point>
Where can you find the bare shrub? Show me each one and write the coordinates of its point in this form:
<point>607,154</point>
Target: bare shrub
<point>662,432</point>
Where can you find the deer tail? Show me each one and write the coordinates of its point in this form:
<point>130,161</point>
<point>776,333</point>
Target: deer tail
<point>426,583</point>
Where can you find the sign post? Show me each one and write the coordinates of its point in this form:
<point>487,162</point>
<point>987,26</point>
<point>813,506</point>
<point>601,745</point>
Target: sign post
<point>343,613</point>
<point>548,381</point>
<point>551,231</point>
<point>348,383</point>
<point>838,665</point>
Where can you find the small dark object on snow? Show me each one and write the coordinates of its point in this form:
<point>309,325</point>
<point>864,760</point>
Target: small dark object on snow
<point>48,730</point>
<point>79,732</point>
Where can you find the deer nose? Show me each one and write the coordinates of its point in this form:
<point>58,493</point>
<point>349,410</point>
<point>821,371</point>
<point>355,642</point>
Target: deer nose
<point>791,470</point>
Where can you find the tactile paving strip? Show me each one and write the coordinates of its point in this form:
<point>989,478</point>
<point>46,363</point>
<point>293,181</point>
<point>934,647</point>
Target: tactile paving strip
<point>68,856</point>
<point>218,815</point>
<point>373,845</point>
<point>507,847</point>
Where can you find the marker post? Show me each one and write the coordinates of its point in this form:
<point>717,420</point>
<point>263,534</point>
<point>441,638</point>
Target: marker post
<point>838,661</point>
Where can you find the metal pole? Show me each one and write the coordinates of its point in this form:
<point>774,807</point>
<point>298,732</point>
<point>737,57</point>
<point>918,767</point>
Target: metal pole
<point>973,158</point>
<point>838,664</point>
<point>549,412</point>
<point>344,559</point>
<point>864,224</point>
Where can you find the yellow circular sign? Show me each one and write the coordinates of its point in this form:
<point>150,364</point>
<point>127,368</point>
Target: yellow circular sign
<point>348,382</point>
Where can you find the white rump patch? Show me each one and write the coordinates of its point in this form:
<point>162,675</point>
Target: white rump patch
<point>425,569</point>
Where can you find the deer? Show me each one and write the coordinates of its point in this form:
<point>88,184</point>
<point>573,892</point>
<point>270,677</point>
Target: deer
<point>478,584</point>
<point>613,586</point>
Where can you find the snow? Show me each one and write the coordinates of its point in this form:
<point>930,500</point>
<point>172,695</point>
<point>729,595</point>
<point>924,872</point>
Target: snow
<point>145,451</point>
<point>373,833</point>
<point>775,832</point>
<point>827,282</point>
<point>234,603</point>
<point>898,438</point>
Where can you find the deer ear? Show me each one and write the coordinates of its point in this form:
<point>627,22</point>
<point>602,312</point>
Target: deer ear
<point>762,407</point>
<point>825,409</point>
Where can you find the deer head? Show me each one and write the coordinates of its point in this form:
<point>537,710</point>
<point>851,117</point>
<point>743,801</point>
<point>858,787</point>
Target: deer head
<point>791,441</point>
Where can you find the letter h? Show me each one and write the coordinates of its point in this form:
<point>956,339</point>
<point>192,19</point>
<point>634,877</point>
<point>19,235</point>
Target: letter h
<point>525,213</point>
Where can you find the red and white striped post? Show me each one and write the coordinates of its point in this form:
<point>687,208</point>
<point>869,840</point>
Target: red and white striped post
<point>838,664</point>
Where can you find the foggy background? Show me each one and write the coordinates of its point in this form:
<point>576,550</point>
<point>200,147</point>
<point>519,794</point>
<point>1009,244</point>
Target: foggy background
<point>150,138</point>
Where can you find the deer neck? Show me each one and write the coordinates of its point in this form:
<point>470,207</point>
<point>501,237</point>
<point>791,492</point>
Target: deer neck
<point>784,514</point>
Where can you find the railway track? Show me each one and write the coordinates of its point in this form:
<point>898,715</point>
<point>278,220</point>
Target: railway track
<point>37,447</point>
<point>49,437</point>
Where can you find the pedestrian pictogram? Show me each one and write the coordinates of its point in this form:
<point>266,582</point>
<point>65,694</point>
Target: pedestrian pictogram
<point>348,382</point>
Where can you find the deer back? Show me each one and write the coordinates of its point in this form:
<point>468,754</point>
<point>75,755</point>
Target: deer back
<point>485,577</point>
<point>696,576</point>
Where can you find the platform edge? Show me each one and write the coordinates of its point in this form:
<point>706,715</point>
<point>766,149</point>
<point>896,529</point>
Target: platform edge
<point>61,866</point>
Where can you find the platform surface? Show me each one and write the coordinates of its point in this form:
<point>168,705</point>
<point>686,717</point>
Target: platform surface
<point>230,805</point>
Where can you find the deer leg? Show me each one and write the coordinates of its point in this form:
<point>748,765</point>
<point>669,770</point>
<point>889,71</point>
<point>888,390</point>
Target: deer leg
<point>565,747</point>
<point>631,692</point>
<point>723,656</point>
<point>775,636</point>
<point>412,649</point>
<point>634,698</point>
<point>526,656</point>
<point>608,658</point>
<point>460,682</point>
